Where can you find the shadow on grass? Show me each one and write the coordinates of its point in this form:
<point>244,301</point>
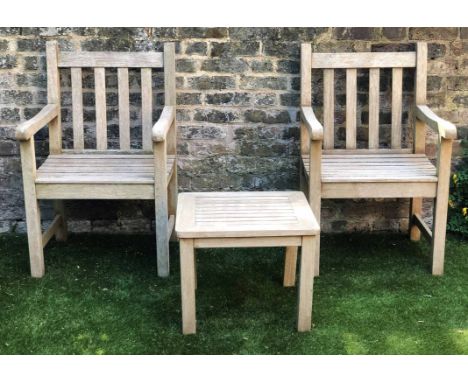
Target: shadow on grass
<point>101,295</point>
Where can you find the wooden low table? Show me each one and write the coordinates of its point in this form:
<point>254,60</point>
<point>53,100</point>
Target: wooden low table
<point>247,219</point>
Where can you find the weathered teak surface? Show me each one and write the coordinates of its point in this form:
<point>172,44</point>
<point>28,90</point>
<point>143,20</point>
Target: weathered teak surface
<point>375,172</point>
<point>101,173</point>
<point>247,219</point>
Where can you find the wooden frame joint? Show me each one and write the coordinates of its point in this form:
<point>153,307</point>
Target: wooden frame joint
<point>423,227</point>
<point>51,230</point>
<point>170,225</point>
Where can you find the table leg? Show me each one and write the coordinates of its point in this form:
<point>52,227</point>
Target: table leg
<point>187,281</point>
<point>290,261</point>
<point>306,284</point>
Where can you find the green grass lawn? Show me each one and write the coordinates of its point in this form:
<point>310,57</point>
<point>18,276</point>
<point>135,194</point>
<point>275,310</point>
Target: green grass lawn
<point>101,295</point>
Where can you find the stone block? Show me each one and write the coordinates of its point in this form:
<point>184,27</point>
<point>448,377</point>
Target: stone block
<point>211,82</point>
<point>7,61</point>
<point>198,32</point>
<point>196,48</point>
<point>230,49</point>
<point>360,33</point>
<point>433,33</point>
<point>267,82</point>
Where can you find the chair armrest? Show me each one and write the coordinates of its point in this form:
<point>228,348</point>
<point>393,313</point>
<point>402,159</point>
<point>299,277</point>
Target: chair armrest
<point>314,127</point>
<point>445,128</point>
<point>27,129</point>
<point>162,126</point>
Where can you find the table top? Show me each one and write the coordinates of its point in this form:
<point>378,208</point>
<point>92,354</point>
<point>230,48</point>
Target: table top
<point>244,214</point>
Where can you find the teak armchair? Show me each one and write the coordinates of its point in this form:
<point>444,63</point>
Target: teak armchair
<point>101,173</point>
<point>375,172</point>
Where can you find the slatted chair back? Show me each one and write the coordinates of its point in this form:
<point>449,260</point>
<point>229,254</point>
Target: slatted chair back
<point>374,62</point>
<point>99,63</point>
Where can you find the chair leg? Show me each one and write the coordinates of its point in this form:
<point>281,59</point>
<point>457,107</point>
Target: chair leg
<point>290,264</point>
<point>172,191</point>
<point>439,224</point>
<point>415,208</point>
<point>36,251</point>
<point>161,208</point>
<point>315,192</point>
<point>162,239</point>
<point>316,208</point>
<point>33,213</point>
<point>161,225</point>
<point>62,232</point>
<point>303,181</point>
<point>438,236</point>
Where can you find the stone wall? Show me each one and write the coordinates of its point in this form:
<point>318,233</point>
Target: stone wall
<point>237,95</point>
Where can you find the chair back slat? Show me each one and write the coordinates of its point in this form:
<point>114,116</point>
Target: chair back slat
<point>77,108</point>
<point>355,66</point>
<point>101,110</point>
<point>351,104</point>
<point>124,108</point>
<point>146,107</point>
<point>397,89</point>
<point>328,108</point>
<point>374,106</point>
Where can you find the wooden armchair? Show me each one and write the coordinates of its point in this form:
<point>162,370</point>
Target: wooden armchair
<point>101,173</point>
<point>375,172</point>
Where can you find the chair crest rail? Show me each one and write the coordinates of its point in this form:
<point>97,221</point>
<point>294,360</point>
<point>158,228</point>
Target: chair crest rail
<point>363,60</point>
<point>111,60</point>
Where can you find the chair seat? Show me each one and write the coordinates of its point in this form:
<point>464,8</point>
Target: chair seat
<point>375,168</point>
<point>100,169</point>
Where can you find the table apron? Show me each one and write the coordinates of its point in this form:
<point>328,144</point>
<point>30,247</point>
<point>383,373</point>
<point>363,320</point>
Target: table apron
<point>238,242</point>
